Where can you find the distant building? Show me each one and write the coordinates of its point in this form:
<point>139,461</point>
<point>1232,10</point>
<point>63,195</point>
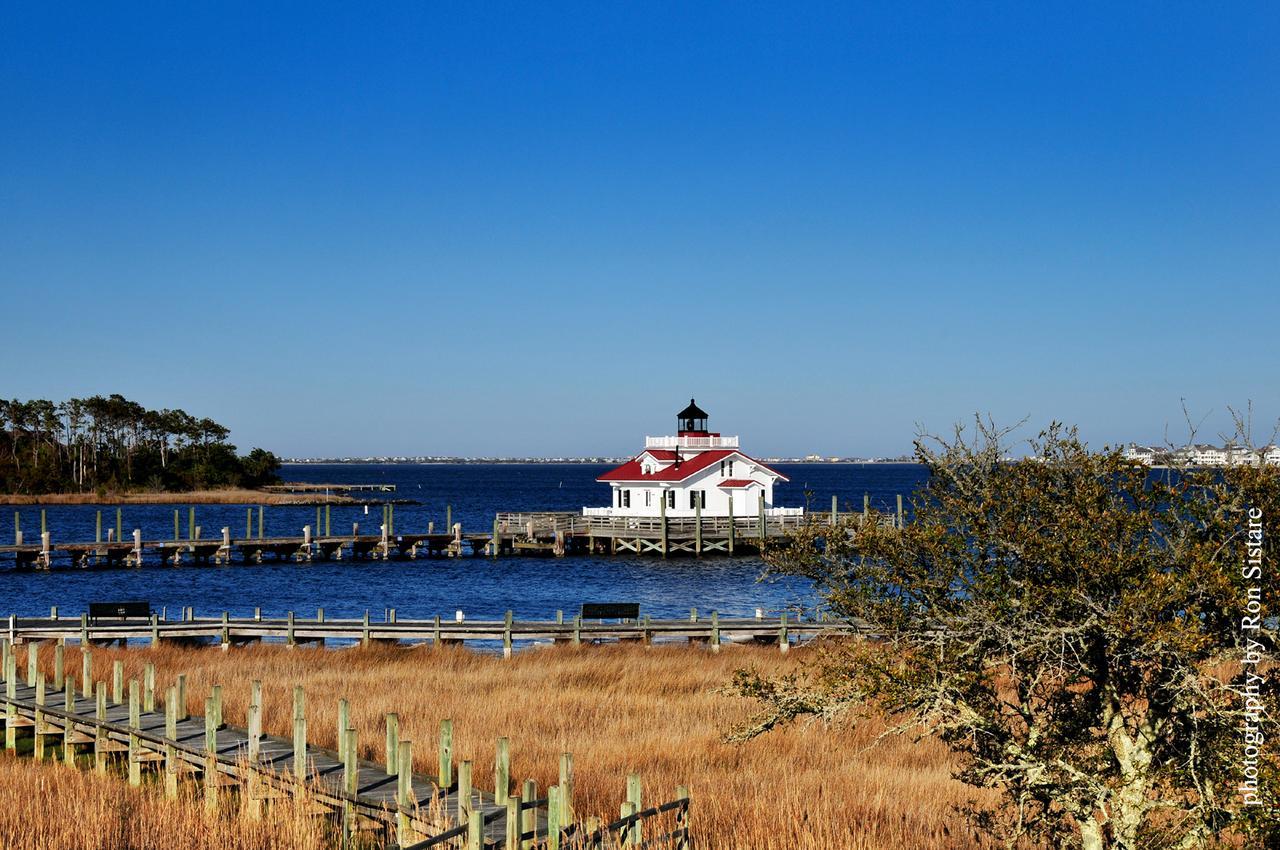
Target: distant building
<point>1202,454</point>
<point>696,469</point>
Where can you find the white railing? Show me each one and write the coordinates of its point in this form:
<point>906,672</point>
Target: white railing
<point>627,512</point>
<point>669,442</point>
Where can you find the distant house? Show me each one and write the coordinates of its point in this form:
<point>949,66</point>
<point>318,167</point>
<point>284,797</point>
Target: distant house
<point>1140,454</point>
<point>696,470</point>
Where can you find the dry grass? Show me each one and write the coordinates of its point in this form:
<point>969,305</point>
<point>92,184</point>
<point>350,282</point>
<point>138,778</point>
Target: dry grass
<point>618,709</point>
<point>50,807</point>
<point>194,497</point>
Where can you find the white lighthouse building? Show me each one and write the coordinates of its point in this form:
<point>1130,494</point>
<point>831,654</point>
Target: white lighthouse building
<point>695,469</point>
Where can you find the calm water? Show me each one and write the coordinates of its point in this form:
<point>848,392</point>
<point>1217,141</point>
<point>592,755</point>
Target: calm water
<point>531,587</point>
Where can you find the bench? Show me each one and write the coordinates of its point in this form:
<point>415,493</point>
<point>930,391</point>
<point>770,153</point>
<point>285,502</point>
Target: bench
<point>610,610</point>
<point>120,610</point>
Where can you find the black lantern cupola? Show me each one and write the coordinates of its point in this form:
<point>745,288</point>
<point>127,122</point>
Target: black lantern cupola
<point>692,421</point>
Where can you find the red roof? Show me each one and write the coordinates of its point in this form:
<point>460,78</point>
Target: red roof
<point>735,483</point>
<point>632,469</point>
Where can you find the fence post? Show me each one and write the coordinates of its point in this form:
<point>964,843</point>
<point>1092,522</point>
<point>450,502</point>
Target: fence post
<point>635,799</point>
<point>715,631</point>
<point>299,733</point>
<point>899,510</point>
<point>475,830</point>
<point>393,744</point>
<point>344,711</point>
<point>117,682</point>
<point>529,817</point>
<point>506,636</point>
<point>501,771</point>
<point>149,687</point>
<point>404,791</point>
<point>784,642</point>
<point>566,787</point>
<point>100,734</point>
<point>554,822</point>
<point>464,790</point>
<point>445,776</point>
<point>683,838</point>
<point>210,755</point>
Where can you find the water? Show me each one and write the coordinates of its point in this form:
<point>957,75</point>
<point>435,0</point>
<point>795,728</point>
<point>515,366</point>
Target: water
<point>532,587</point>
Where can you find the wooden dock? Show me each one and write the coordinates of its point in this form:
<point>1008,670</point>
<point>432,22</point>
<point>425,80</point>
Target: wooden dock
<point>384,801</point>
<point>552,533</point>
<point>711,630</point>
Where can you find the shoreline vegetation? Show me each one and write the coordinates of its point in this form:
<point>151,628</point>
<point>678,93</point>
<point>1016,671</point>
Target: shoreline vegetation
<point>229,496</point>
<point>102,445</point>
<point>660,711</point>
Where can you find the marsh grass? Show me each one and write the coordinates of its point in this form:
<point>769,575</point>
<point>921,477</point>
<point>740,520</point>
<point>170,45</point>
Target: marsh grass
<point>46,806</point>
<point>660,711</point>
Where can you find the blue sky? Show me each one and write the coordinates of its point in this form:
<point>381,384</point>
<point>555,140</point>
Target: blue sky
<point>540,228</point>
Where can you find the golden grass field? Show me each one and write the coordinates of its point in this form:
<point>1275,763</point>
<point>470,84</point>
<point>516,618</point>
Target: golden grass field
<point>49,807</point>
<point>659,711</point>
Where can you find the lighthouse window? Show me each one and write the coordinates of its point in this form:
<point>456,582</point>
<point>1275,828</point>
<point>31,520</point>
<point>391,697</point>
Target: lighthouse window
<point>671,498</point>
<point>626,498</point>
<point>697,498</point>
<point>722,467</point>
<point>730,469</point>
<point>647,494</point>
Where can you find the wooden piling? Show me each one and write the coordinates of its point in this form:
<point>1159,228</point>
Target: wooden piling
<point>465,803</point>
<point>475,830</point>
<point>697,526</point>
<point>554,822</point>
<point>404,792</point>
<point>445,776</point>
<point>344,722</point>
<point>59,670</point>
<point>501,771</point>
<point>97,528</point>
<point>900,518</point>
<point>100,733</point>
<point>635,799</point>
<point>662,501</point>
<point>393,744</point>
<point>566,787</point>
<point>210,776</point>
<point>149,687</point>
<point>119,525</point>
<point>299,734</point>
<point>835,510</point>
<point>117,682</point>
<point>733,531</point>
<point>529,817</point>
<point>261,520</point>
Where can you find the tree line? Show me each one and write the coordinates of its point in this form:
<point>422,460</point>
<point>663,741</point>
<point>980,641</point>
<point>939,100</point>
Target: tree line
<point>106,443</point>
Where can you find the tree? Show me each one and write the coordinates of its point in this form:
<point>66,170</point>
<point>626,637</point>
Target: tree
<point>1069,624</point>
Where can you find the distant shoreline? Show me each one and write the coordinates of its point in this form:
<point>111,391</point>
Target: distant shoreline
<point>194,497</point>
<point>565,461</point>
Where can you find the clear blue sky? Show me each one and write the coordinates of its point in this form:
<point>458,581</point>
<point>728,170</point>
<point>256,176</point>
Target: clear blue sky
<point>540,228</point>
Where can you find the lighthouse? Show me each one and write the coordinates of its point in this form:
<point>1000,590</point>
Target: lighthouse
<point>694,471</point>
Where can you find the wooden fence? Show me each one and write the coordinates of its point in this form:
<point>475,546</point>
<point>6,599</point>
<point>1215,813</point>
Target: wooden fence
<point>367,800</point>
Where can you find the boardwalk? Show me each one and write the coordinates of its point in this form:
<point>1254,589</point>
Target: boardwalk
<point>385,799</point>
<point>555,533</point>
<point>711,630</point>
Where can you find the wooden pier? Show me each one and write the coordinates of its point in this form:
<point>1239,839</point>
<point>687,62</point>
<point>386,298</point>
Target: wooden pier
<point>711,630</point>
<point>149,730</point>
<point>553,533</point>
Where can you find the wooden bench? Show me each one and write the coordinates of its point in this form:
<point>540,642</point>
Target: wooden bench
<point>610,610</point>
<point>119,610</point>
